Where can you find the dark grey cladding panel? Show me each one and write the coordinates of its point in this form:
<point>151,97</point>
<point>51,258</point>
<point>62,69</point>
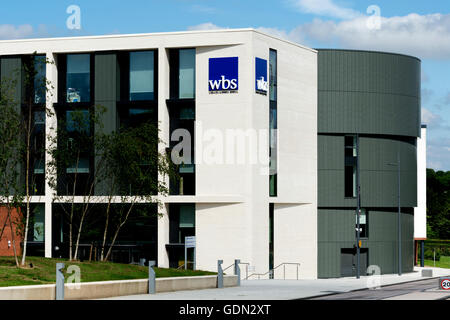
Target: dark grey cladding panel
<point>379,175</point>
<point>105,88</point>
<point>11,76</point>
<point>378,178</point>
<point>106,96</point>
<point>336,230</point>
<point>368,92</point>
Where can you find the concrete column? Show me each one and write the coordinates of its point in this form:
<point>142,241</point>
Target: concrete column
<point>163,123</point>
<point>50,129</point>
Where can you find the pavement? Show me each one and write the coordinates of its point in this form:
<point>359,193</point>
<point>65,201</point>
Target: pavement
<point>296,289</point>
<point>418,290</point>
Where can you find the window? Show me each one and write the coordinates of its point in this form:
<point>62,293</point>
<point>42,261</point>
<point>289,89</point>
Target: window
<point>273,75</point>
<point>78,129</point>
<point>273,123</point>
<point>142,75</point>
<point>187,74</point>
<point>350,166</point>
<point>182,116</point>
<point>39,82</point>
<point>38,153</point>
<point>78,78</point>
<point>37,223</point>
<point>271,244</point>
<point>363,224</point>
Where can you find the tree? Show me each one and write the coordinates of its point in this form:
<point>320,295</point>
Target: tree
<point>36,88</point>
<point>134,165</point>
<point>70,172</point>
<point>438,204</point>
<point>11,146</point>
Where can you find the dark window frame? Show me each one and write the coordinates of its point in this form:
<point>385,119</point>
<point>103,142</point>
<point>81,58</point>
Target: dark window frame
<point>61,116</point>
<point>123,60</point>
<point>350,162</point>
<point>62,78</point>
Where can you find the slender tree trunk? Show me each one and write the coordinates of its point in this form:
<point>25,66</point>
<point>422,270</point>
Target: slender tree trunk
<point>106,229</point>
<point>117,231</point>
<point>72,210</point>
<point>80,227</point>
<point>27,186</point>
<point>83,216</point>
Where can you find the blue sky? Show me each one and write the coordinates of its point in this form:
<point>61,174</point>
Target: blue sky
<point>419,28</point>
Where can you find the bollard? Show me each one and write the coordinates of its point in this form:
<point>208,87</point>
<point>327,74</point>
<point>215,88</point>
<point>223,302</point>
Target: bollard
<point>151,278</point>
<point>59,281</point>
<point>142,262</point>
<point>219,274</point>
<point>237,271</point>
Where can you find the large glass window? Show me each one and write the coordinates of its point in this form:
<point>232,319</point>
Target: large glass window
<point>78,81</point>
<point>142,75</point>
<point>39,79</point>
<point>78,127</point>
<point>187,74</point>
<point>273,123</point>
<point>350,166</point>
<point>273,75</point>
<point>38,153</point>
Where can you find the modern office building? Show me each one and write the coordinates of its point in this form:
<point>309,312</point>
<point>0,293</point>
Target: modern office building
<point>278,138</point>
<point>368,125</point>
<point>245,191</point>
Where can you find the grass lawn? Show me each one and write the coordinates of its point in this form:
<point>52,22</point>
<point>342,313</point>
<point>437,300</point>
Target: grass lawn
<point>44,271</point>
<point>444,262</point>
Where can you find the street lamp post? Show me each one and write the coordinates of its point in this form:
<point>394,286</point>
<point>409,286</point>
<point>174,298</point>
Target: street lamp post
<point>399,219</point>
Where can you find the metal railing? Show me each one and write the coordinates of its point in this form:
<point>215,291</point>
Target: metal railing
<point>246,268</point>
<point>271,271</point>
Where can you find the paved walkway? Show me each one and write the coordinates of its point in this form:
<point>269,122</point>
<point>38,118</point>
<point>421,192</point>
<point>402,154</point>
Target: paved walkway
<point>286,289</point>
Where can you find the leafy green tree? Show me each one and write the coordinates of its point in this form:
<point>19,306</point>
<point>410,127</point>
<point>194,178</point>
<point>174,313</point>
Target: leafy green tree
<point>71,150</point>
<point>136,174</point>
<point>438,204</point>
<point>11,146</point>
<point>37,87</point>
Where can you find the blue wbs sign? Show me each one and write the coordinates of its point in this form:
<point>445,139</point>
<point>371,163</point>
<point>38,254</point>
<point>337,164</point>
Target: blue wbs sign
<point>223,75</point>
<point>261,81</point>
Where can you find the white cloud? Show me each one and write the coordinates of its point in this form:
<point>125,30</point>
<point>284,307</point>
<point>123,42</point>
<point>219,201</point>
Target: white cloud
<point>325,8</point>
<point>282,34</point>
<point>430,118</point>
<point>205,26</point>
<point>8,31</point>
<point>424,36</point>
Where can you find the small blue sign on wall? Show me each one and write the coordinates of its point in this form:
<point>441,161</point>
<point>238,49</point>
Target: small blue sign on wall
<point>261,81</point>
<point>223,75</point>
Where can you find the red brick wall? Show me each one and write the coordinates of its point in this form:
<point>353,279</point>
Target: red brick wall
<point>6,249</point>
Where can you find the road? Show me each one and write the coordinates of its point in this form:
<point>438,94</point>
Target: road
<point>417,290</point>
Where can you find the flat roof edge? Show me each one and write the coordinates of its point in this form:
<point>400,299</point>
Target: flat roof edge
<point>369,51</point>
<point>135,35</point>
